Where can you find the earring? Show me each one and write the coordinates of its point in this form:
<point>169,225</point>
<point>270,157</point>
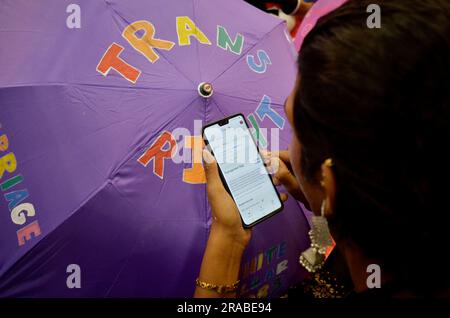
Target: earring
<point>314,257</point>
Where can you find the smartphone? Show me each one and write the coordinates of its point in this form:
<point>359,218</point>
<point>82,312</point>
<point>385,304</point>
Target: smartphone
<point>242,169</point>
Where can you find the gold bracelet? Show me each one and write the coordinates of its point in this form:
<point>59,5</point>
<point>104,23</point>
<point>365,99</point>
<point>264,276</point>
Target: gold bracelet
<point>220,289</point>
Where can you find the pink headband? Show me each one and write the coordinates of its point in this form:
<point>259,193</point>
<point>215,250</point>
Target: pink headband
<point>318,10</point>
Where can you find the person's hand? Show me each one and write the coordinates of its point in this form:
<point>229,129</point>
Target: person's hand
<point>226,218</point>
<point>280,167</point>
<point>228,238</point>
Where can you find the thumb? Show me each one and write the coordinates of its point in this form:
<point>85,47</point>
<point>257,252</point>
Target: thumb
<point>214,183</point>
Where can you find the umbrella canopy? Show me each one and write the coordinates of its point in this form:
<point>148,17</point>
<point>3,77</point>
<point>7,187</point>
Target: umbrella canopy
<point>100,114</point>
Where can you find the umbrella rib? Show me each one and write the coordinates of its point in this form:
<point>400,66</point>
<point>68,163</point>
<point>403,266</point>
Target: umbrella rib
<point>223,113</point>
<point>176,68</point>
<point>237,97</point>
<point>248,50</point>
<point>4,271</point>
<point>147,141</point>
<point>218,107</point>
<point>119,272</point>
<point>196,43</point>
<point>133,87</point>
<point>112,10</point>
<point>248,99</point>
<point>16,85</point>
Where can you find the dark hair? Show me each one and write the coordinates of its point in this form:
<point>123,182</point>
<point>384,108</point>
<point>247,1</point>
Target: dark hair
<point>376,101</point>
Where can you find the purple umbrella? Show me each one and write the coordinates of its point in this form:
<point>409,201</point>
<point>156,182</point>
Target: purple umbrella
<point>100,111</point>
<point>318,10</point>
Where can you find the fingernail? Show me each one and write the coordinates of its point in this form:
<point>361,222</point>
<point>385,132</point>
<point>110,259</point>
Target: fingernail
<point>276,181</point>
<point>207,157</point>
<point>265,153</point>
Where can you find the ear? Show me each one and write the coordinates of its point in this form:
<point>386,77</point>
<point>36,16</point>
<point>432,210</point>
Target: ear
<point>329,187</point>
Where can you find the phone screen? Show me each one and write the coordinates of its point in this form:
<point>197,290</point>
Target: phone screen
<point>242,169</point>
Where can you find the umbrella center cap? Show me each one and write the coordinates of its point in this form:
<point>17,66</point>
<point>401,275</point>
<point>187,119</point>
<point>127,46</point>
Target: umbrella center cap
<point>205,90</point>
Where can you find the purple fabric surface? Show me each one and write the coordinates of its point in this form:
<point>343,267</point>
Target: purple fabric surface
<point>76,136</point>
